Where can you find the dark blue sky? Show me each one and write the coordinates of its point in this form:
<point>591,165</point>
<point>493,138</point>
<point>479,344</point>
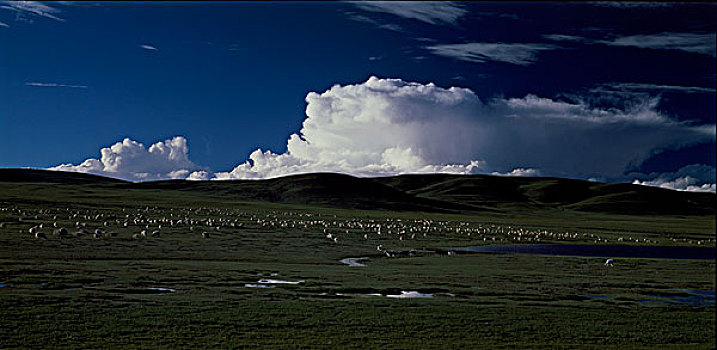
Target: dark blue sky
<point>232,77</point>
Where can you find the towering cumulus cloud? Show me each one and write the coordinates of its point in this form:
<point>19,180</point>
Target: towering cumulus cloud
<point>389,126</point>
<point>131,160</point>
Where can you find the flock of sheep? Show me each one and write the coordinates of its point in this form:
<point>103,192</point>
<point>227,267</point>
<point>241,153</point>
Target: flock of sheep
<point>148,222</point>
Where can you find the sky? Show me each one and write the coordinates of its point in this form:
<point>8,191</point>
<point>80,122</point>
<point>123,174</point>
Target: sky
<point>603,91</point>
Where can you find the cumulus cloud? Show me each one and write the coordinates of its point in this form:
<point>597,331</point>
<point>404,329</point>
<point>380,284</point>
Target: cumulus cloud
<point>390,126</point>
<point>131,160</point>
<point>149,47</point>
<point>433,12</point>
<point>693,178</point>
<point>520,54</point>
<point>529,172</point>
<point>32,9</point>
<point>38,84</point>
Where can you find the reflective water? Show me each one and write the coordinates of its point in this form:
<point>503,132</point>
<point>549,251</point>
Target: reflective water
<point>353,262</point>
<point>411,294</point>
<point>272,281</point>
<point>598,250</point>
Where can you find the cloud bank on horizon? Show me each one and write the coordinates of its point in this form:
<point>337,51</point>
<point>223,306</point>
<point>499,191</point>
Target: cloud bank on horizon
<point>131,160</point>
<point>386,127</point>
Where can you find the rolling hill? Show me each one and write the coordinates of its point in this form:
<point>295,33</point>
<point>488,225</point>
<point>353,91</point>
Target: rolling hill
<point>429,193</point>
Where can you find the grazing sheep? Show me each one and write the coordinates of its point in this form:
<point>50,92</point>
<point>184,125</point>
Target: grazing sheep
<point>32,230</point>
<point>98,235</point>
<point>61,232</point>
<point>136,236</point>
<point>2,225</point>
<point>205,234</point>
<point>40,235</point>
<point>78,234</point>
<point>143,233</point>
<point>155,233</point>
<point>379,247</point>
<point>609,262</point>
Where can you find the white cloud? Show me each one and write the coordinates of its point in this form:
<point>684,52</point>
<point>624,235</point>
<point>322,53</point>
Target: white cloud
<point>361,18</point>
<point>55,85</point>
<point>657,87</point>
<point>529,172</point>
<point>520,54</point>
<point>389,126</point>
<point>702,43</point>
<point>635,4</point>
<point>693,178</point>
<point>33,9</point>
<point>689,42</point>
<point>131,160</point>
<point>149,47</point>
<point>4,25</point>
<point>563,37</point>
<point>433,12</point>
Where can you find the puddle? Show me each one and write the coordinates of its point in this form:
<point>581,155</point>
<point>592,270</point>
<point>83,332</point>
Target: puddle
<point>596,250</point>
<point>697,291</point>
<point>271,281</point>
<point>5,285</point>
<point>411,294</point>
<point>595,296</point>
<point>353,262</point>
<point>252,285</point>
<point>701,298</point>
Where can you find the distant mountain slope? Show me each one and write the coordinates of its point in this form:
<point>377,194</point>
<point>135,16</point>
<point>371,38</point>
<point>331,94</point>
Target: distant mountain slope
<point>430,192</point>
<point>537,192</point>
<point>49,176</point>
<point>323,189</point>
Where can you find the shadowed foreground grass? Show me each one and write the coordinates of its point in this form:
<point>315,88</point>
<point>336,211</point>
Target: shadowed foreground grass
<point>181,291</point>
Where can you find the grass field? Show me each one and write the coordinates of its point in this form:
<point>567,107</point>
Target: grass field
<point>179,290</point>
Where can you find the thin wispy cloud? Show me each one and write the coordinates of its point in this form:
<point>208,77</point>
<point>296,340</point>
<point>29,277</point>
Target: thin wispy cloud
<point>38,84</point>
<point>689,42</point>
<point>432,12</point>
<point>519,54</point>
<point>4,25</point>
<point>563,37</point>
<point>701,43</point>
<point>149,47</point>
<point>657,87</point>
<point>363,19</point>
<point>635,4</point>
<point>33,9</point>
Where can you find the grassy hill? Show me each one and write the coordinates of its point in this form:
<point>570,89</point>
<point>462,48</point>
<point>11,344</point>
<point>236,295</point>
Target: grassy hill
<point>428,193</point>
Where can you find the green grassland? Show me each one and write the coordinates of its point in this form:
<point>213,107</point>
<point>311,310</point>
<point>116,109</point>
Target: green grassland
<point>179,290</point>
